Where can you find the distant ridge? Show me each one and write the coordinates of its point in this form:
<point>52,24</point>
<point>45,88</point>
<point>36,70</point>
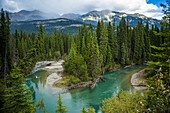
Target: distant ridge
<point>70,23</point>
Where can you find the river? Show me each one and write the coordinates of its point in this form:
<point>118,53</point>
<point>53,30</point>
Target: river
<point>77,98</point>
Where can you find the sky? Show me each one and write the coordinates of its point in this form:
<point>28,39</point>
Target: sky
<point>150,8</point>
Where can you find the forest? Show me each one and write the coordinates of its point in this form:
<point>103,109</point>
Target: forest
<point>87,55</point>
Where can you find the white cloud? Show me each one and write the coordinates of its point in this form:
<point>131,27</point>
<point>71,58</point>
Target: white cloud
<point>83,6</point>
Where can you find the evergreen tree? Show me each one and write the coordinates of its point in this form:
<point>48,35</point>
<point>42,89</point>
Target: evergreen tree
<point>91,110</point>
<point>103,42</point>
<point>110,42</point>
<point>17,95</point>
<point>98,31</point>
<point>61,43</point>
<point>5,56</point>
<point>147,42</point>
<point>40,42</point>
<point>60,107</point>
<point>95,59</point>
<point>41,106</point>
<point>123,54</point>
<point>84,110</point>
<point>115,50</point>
<point>70,64</point>
<point>90,28</point>
<point>158,97</point>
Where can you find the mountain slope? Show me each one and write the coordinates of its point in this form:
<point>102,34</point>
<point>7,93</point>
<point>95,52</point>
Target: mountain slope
<point>107,15</point>
<point>70,16</point>
<point>25,15</point>
<point>73,21</point>
<point>66,25</point>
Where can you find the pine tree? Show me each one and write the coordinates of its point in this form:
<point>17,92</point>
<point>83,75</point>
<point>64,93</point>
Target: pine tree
<point>115,50</point>
<point>123,54</point>
<point>95,59</point>
<point>53,45</point>
<point>84,110</point>
<point>147,42</point>
<point>158,97</point>
<point>81,68</point>
<point>61,43</point>
<point>91,110</point>
<point>40,42</point>
<point>47,45</point>
<point>110,42</point>
<point>98,31</point>
<point>109,58</point>
<point>90,28</point>
<point>60,107</point>
<point>5,56</point>
<point>70,64</point>
<point>56,40</point>
<point>41,106</point>
<point>83,49</point>
<point>17,95</point>
<point>103,42</point>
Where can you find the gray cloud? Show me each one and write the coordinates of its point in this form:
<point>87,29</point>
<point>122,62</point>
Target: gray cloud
<point>81,6</point>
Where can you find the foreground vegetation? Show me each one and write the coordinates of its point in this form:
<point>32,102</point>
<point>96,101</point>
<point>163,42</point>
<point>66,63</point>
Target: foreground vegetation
<point>87,55</point>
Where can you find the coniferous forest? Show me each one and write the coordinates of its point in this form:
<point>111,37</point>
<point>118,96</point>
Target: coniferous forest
<point>88,54</point>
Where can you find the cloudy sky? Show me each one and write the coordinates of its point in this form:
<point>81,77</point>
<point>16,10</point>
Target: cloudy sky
<point>150,8</point>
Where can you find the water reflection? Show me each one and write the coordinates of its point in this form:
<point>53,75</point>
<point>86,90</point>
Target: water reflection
<point>76,99</point>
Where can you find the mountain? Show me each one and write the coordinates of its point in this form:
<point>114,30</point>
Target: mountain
<point>108,15</point>
<point>25,15</point>
<point>71,16</point>
<point>66,25</point>
<point>69,23</point>
<point>90,17</point>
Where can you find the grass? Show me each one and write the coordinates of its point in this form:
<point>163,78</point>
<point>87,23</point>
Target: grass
<point>68,80</point>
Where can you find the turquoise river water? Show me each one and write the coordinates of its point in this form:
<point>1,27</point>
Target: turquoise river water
<point>77,98</point>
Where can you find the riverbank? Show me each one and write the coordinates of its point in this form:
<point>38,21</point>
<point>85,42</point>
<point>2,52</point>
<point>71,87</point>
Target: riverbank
<point>58,80</point>
<point>57,76</point>
<point>138,80</point>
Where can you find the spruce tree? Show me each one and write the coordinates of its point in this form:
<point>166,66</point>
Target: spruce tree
<point>84,110</point>
<point>103,42</point>
<point>17,95</point>
<point>95,59</point>
<point>70,64</point>
<point>110,42</point>
<point>98,31</point>
<point>5,56</point>
<point>41,106</point>
<point>40,41</point>
<point>60,107</point>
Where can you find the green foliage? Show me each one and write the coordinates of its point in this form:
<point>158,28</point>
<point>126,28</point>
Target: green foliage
<point>84,110</point>
<point>103,42</point>
<point>41,106</point>
<point>60,107</point>
<point>91,110</point>
<point>158,95</point>
<point>17,95</point>
<point>124,102</point>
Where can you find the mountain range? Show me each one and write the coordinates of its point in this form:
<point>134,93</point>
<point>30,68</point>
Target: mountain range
<point>30,20</point>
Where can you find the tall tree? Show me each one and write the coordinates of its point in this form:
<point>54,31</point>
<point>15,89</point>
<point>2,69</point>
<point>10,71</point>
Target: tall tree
<point>103,42</point>
<point>98,30</point>
<point>17,95</point>
<point>40,41</point>
<point>60,107</point>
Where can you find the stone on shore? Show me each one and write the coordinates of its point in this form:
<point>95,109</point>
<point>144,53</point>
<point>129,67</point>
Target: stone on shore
<point>138,80</point>
<point>51,79</point>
